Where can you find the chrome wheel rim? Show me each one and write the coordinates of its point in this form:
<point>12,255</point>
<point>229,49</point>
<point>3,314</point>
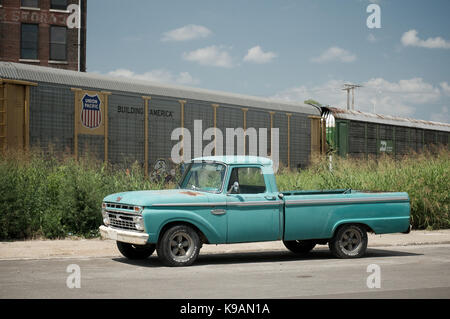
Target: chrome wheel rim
<point>351,242</point>
<point>181,246</point>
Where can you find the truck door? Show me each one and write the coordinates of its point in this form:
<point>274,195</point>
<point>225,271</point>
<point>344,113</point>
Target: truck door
<point>253,212</point>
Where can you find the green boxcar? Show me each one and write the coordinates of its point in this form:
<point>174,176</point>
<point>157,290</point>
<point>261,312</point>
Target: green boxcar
<point>362,134</point>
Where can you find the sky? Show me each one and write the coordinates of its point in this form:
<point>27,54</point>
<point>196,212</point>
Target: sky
<point>290,50</point>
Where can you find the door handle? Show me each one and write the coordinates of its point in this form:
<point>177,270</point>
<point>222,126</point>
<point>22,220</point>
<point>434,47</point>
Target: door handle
<point>268,197</point>
<point>218,212</point>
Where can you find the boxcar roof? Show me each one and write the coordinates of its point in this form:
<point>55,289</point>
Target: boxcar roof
<point>388,120</point>
<point>25,72</point>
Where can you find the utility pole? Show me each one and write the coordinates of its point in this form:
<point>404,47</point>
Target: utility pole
<point>348,88</point>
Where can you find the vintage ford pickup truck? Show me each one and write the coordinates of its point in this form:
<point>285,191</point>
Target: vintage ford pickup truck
<point>234,199</point>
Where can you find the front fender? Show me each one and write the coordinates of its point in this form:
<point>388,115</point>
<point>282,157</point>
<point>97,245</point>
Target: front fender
<point>213,227</point>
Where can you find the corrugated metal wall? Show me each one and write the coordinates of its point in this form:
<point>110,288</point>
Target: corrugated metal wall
<point>366,138</point>
<point>372,139</point>
<point>258,119</point>
<point>126,128</point>
<point>280,121</point>
<point>230,117</point>
<point>300,141</point>
<point>161,125</point>
<point>51,116</point>
<point>198,110</point>
<point>356,137</point>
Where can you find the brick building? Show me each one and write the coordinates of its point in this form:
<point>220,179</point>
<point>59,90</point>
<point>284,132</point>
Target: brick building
<point>36,32</point>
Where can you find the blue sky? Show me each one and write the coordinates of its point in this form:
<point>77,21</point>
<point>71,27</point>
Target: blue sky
<point>285,49</point>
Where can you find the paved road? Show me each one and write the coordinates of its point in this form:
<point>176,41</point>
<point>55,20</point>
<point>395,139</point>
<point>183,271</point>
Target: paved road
<point>406,272</point>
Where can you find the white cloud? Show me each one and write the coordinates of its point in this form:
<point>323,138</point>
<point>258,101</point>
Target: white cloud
<point>410,38</point>
<point>403,98</point>
<point>211,56</point>
<point>161,76</point>
<point>413,91</point>
<point>445,88</point>
<point>186,33</point>
<point>335,54</point>
<point>257,55</point>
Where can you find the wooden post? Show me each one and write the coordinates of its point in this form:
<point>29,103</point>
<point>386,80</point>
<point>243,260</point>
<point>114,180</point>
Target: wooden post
<point>289,140</point>
<point>245,110</point>
<point>315,135</point>
<point>75,124</point>
<point>215,106</point>
<point>271,128</point>
<point>146,99</point>
<point>182,104</point>
<point>105,96</point>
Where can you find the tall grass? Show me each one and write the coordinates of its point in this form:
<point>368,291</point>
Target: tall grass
<point>52,196</point>
<point>425,177</point>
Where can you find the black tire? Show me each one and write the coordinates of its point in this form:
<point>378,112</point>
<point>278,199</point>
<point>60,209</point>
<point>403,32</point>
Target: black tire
<point>132,251</point>
<point>300,246</point>
<point>349,241</point>
<point>179,246</point>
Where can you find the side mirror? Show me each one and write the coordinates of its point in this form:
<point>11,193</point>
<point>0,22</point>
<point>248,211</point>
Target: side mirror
<point>234,188</point>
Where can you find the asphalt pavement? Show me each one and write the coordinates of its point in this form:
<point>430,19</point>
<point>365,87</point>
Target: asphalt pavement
<point>413,271</point>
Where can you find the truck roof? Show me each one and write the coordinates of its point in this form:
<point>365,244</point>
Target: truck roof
<point>236,159</point>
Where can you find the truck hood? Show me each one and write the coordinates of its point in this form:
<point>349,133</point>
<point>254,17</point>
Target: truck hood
<point>148,198</point>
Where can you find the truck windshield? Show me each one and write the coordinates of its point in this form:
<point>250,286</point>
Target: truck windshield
<point>204,176</point>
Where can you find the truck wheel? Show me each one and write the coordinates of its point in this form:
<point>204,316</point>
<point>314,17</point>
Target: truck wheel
<point>135,251</point>
<point>299,246</point>
<point>179,246</point>
<point>350,241</point>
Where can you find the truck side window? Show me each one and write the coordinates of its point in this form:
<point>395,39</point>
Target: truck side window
<point>250,179</point>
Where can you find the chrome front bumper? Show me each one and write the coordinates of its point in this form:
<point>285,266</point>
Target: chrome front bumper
<point>125,236</point>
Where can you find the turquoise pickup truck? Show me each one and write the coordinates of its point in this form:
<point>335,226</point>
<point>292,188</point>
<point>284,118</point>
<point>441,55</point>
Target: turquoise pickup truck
<point>234,199</point>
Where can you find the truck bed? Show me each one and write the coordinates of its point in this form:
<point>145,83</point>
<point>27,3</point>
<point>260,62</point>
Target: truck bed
<point>317,214</point>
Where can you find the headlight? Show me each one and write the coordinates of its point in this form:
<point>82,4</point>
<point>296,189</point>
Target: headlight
<point>105,215</point>
<point>105,218</point>
<point>139,222</point>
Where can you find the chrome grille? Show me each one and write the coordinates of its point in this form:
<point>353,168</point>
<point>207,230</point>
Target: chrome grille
<point>121,216</point>
<point>122,221</point>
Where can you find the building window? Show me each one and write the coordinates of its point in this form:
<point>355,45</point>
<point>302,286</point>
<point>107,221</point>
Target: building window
<point>29,41</point>
<point>58,4</point>
<point>30,3</point>
<point>58,43</point>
